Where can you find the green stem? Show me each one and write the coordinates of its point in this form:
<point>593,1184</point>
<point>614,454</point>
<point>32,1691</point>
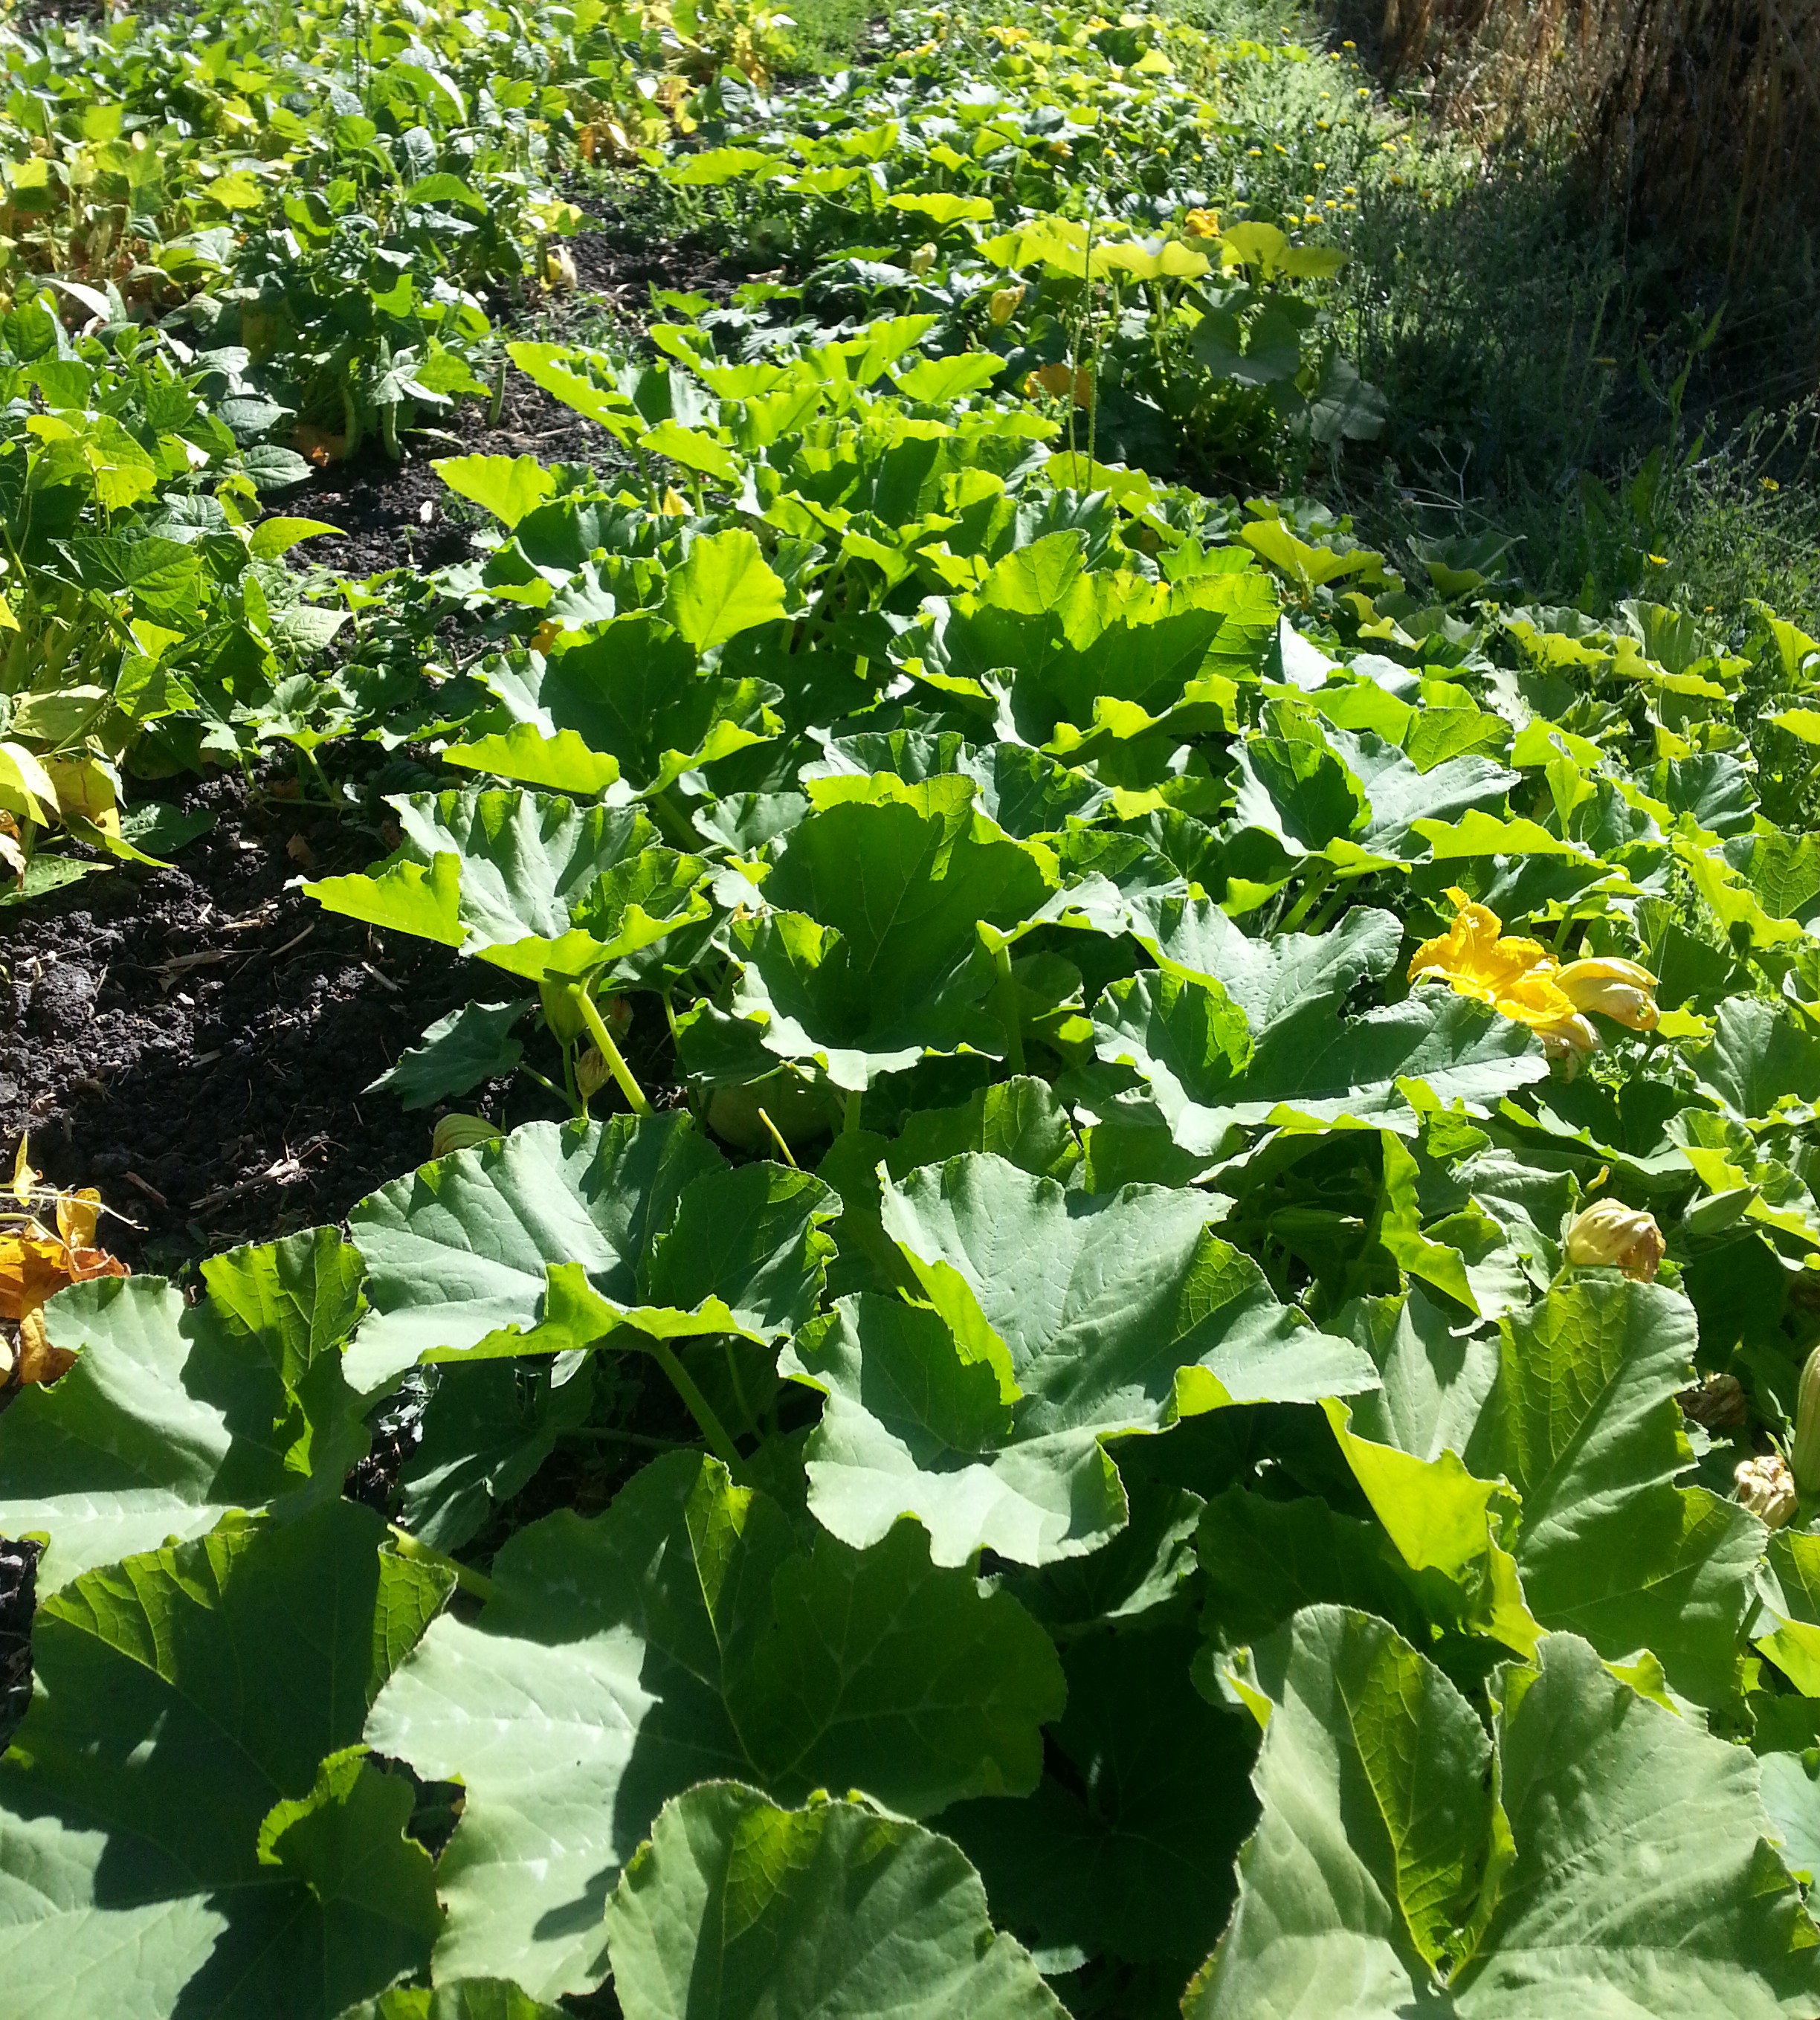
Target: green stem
<point>611,1433</point>
<point>1318,882</point>
<point>698,1405</point>
<point>549,1086</point>
<point>777,1138</point>
<point>728,1348</point>
<point>477,1583</point>
<point>673,820</point>
<point>616,1065</point>
<point>1004,996</point>
<point>850,1121</point>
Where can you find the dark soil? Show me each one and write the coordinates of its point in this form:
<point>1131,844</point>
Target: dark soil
<point>398,514</point>
<point>196,1041</point>
<point>18,1596</point>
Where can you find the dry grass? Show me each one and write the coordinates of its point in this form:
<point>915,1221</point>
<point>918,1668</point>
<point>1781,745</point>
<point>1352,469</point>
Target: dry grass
<point>1699,117</point>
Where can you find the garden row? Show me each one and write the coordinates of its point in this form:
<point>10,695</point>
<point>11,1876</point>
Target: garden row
<point>1146,1349</point>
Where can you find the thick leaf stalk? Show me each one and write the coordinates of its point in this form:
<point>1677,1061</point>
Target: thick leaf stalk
<point>590,1015</point>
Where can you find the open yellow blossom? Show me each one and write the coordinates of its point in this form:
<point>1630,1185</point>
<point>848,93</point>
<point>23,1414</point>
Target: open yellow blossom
<point>1201,224</point>
<point>1521,980</point>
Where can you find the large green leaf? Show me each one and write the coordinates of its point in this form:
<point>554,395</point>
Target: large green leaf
<point>723,586</point>
<point>632,690</point>
<point>1127,1845</point>
<point>1055,652</point>
<point>1176,1034</point>
<point>1399,793</point>
<point>507,486</point>
<point>1598,1855</point>
<point>871,955</point>
<point>455,1054</point>
<point>1582,1421</point>
<point>1286,984</point>
<point>173,1413</point>
<point>1060,1320</point>
<point>1262,1559</point>
<point>1024,792</point>
<point>686,1633</point>
<point>487,1428</point>
<point>467,1999</point>
<point>187,1826</point>
<point>558,1237</point>
<point>527,862</point>
<point>1763,1057</point>
<point>738,1910</point>
<point>516,864</point>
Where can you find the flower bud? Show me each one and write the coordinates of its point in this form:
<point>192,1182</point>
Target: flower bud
<point>923,257</point>
<point>1804,1453</point>
<point>460,1132</point>
<point>1717,1404</point>
<point>1003,306</point>
<point>1619,989</point>
<point>1609,1232</point>
<point>590,1073</point>
<point>1060,382</point>
<point>1767,1487</point>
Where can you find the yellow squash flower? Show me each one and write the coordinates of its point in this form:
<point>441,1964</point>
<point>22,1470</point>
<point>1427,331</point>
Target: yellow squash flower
<point>1619,989</point>
<point>1521,980</point>
<point>1514,977</point>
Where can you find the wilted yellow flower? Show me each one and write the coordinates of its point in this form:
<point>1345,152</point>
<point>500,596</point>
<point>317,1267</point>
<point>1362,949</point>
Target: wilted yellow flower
<point>1610,1233</point>
<point>1003,305</point>
<point>1718,1404</point>
<point>1767,1487</point>
<point>590,1073</point>
<point>559,274</point>
<point>1201,224</point>
<point>924,257</point>
<point>1617,989</point>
